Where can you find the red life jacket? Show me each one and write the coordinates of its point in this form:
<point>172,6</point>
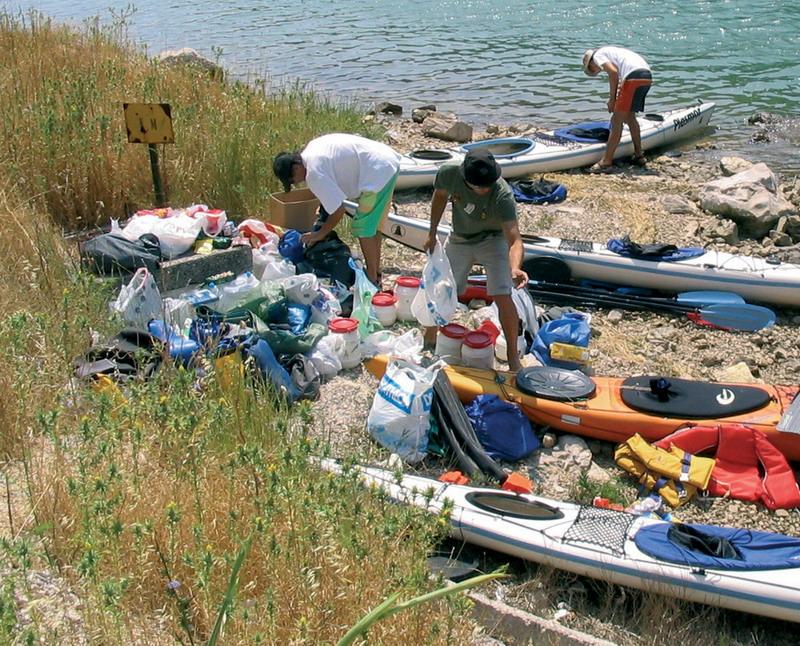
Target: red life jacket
<point>739,452</point>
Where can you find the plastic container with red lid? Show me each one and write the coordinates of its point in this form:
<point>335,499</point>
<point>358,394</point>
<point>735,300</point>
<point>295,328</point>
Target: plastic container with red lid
<point>448,342</point>
<point>406,288</point>
<point>477,350</point>
<point>385,306</point>
<point>349,349</point>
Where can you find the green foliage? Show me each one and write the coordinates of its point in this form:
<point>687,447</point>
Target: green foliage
<point>615,490</point>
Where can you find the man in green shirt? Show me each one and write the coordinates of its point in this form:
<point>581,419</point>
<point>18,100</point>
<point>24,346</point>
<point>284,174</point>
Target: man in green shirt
<point>484,232</point>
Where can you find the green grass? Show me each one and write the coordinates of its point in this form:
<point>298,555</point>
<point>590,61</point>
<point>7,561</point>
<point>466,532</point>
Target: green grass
<point>62,135</point>
<point>185,508</point>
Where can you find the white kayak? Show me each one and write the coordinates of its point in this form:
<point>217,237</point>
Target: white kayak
<point>559,149</point>
<point>756,279</point>
<point>742,570</point>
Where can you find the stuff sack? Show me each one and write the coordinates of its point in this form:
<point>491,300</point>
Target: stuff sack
<point>502,428</point>
<point>259,355</point>
<point>111,254</point>
<point>531,191</point>
<point>304,374</point>
<point>139,301</point>
<point>290,246</point>
<point>131,354</point>
<point>400,415</point>
<point>437,299</point>
<point>572,328</point>
<point>329,259</point>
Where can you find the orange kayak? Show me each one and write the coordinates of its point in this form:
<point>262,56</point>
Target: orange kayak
<point>619,408</point>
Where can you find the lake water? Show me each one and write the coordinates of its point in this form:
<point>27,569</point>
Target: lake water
<point>500,61</point>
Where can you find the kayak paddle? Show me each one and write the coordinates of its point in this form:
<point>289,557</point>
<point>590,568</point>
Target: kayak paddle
<point>732,316</point>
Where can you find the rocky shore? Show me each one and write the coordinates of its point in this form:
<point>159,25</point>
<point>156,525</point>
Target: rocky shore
<point>660,203</point>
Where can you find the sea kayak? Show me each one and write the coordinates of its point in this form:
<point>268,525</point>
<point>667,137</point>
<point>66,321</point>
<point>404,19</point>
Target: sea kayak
<point>559,149</point>
<point>739,569</point>
<point>756,279</point>
<point>615,409</point>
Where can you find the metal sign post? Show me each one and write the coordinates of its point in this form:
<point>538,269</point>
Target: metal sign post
<point>151,124</point>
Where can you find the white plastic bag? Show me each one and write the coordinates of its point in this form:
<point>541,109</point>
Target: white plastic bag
<point>406,346</point>
<point>277,268</point>
<point>400,415</point>
<point>325,306</point>
<point>139,300</point>
<point>437,299</point>
<point>176,234</point>
<point>177,310</point>
<point>301,289</point>
<point>326,356</point>
<point>263,256</point>
<point>240,290</point>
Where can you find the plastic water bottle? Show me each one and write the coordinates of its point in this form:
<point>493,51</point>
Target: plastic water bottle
<point>645,506</point>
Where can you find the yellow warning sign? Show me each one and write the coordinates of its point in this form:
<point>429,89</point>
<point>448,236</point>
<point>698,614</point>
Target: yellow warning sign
<point>149,123</point>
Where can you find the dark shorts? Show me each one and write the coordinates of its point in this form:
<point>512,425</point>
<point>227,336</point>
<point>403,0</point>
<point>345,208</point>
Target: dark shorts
<point>633,92</point>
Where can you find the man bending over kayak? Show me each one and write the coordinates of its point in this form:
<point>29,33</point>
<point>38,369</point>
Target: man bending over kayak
<point>339,167</point>
<point>629,79</point>
<point>484,232</point>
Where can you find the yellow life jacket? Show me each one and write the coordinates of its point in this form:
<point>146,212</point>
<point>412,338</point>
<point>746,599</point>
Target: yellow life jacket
<point>674,474</point>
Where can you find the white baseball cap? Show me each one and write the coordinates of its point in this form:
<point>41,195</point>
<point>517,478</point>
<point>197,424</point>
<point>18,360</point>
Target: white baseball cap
<point>587,58</point>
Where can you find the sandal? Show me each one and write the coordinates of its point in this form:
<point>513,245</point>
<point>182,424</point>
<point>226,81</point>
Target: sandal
<point>639,160</point>
<point>601,168</point>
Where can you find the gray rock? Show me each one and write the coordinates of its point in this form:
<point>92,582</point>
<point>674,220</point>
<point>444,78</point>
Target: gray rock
<point>447,127</point>
<point>679,205</point>
<point>725,230</point>
<point>188,57</point>
<point>430,107</point>
<point>492,129</point>
<point>597,474</point>
<point>615,316</point>
<point>733,165</point>
<point>780,239</point>
<point>790,225</point>
<point>389,108</point>
<point>749,198</point>
<point>418,115</point>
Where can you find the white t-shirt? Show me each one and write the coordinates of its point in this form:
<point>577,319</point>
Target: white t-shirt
<point>341,167</point>
<point>625,60</point>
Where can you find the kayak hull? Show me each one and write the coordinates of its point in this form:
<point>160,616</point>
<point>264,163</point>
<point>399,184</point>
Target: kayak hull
<point>605,416</point>
<point>545,152</point>
<point>550,538</point>
<point>753,278</point>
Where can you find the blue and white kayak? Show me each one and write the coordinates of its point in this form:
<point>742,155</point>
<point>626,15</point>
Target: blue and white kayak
<point>755,279</point>
<point>739,569</point>
<point>559,149</point>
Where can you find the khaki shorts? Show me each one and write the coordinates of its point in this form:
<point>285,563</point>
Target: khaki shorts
<point>491,252</point>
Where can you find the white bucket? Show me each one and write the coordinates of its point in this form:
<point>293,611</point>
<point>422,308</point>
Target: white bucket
<point>448,342</point>
<point>347,328</point>
<point>477,350</point>
<point>406,288</point>
<point>385,306</point>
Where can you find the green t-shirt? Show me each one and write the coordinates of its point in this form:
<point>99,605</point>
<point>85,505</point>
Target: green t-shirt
<point>476,216</point>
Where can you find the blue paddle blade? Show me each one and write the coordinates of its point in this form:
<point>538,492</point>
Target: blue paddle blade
<point>738,316</point>
<point>708,298</point>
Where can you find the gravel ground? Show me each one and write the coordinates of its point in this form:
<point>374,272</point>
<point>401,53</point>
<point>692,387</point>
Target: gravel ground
<point>655,204</point>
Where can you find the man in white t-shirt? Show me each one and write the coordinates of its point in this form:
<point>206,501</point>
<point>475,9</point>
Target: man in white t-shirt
<point>629,79</point>
<point>339,167</point>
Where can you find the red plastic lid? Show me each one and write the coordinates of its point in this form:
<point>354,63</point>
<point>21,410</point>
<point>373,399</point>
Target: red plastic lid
<point>384,299</point>
<point>477,339</point>
<point>453,331</point>
<point>408,281</point>
<point>342,325</point>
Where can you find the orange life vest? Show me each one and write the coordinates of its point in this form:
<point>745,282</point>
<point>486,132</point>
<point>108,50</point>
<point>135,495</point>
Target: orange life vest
<point>739,452</point>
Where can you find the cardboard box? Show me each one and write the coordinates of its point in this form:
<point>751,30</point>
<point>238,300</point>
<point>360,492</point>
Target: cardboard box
<point>294,210</point>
